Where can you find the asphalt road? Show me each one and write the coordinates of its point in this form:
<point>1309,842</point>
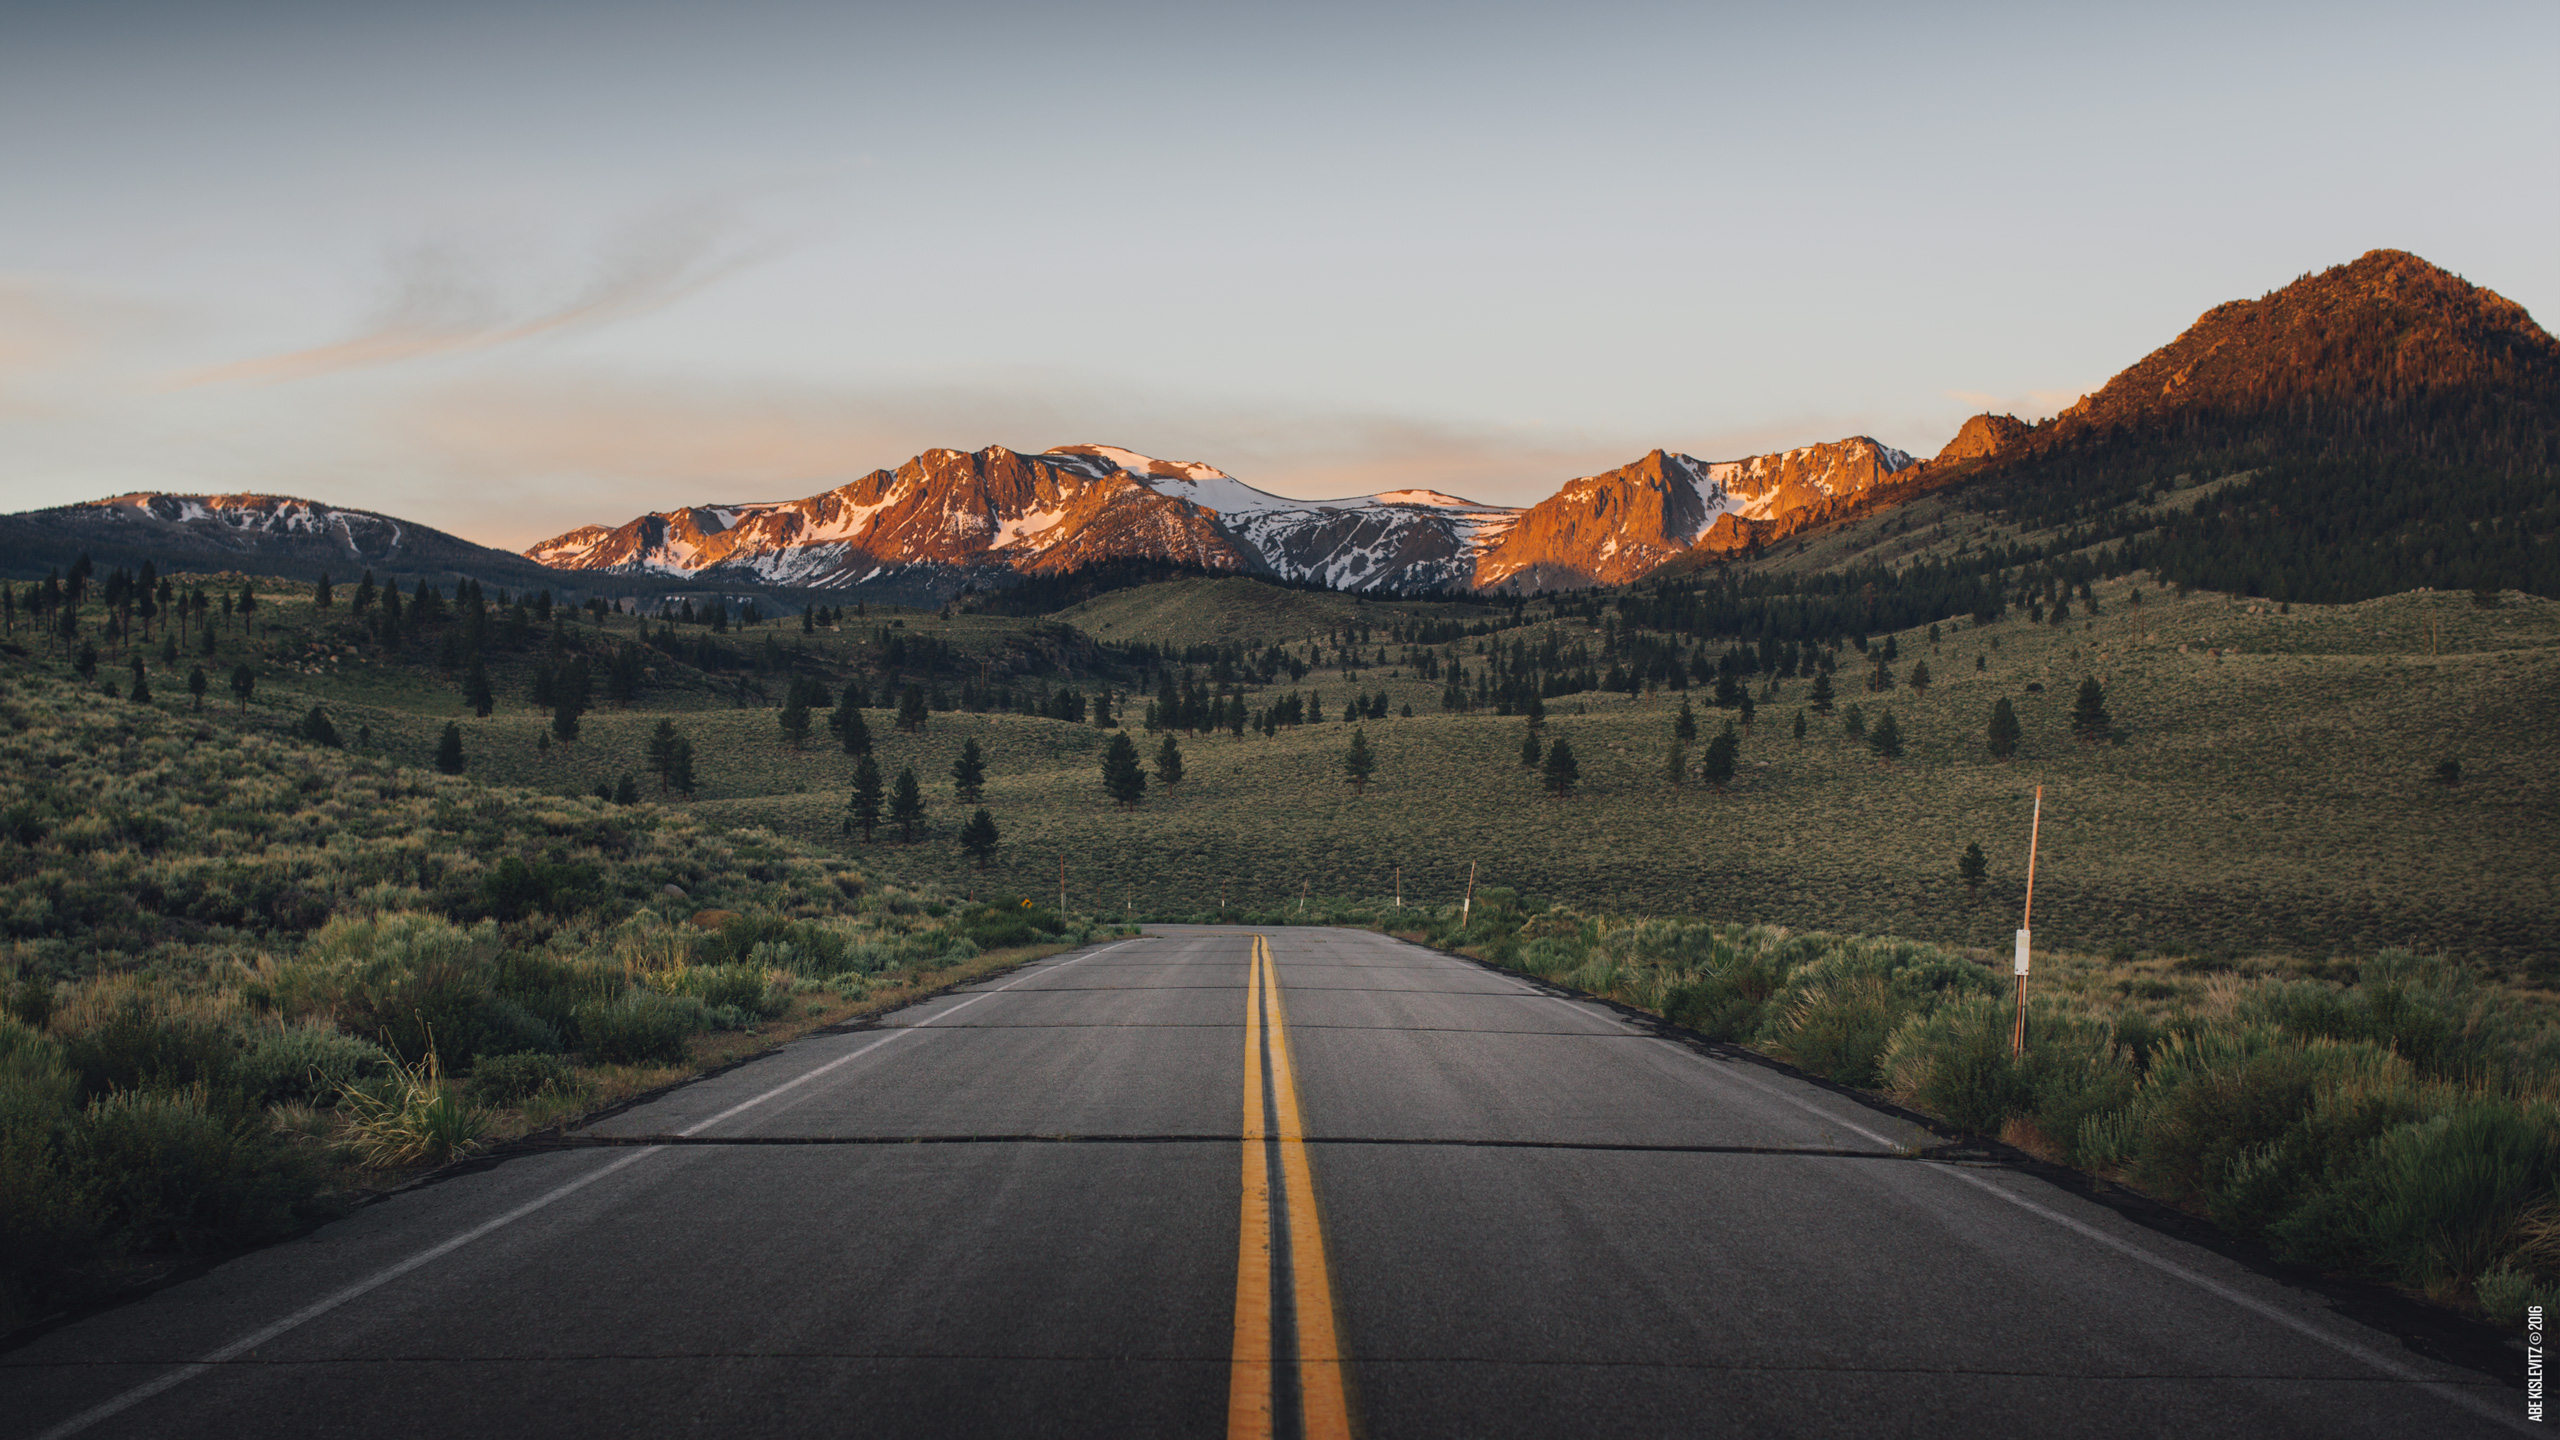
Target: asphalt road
<point>1436,1201</point>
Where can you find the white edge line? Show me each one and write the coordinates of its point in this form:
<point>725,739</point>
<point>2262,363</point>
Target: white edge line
<point>850,1056</point>
<point>2376,1359</point>
<point>313,1311</point>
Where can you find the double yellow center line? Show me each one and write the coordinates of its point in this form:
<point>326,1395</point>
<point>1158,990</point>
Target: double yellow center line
<point>1323,1407</point>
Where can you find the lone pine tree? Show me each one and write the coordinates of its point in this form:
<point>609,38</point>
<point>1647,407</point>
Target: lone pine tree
<point>680,767</point>
<point>1887,738</point>
<point>1562,772</point>
<point>1685,726</point>
<point>795,718</point>
<point>1970,868</point>
<point>906,803</point>
<point>449,750</point>
<point>978,838</point>
<point>1529,750</point>
<point>1122,779</point>
<point>911,709</point>
<point>862,811</point>
<point>476,691</point>
<point>1822,694</point>
<point>2005,732</point>
<point>1799,726</point>
<point>1358,764</point>
<point>1675,764</point>
<point>1169,761</point>
<point>1723,754</point>
<point>661,753</point>
<point>2089,720</point>
<point>969,773</point>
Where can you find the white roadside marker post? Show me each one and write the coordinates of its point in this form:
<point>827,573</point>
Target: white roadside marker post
<point>2035,830</point>
<point>1467,906</point>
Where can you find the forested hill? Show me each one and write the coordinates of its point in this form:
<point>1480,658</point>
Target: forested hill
<point>2401,427</point>
<point>2377,427</point>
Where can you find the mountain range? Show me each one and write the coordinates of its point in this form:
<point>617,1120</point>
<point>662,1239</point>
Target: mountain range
<point>974,513</point>
<point>2388,361</point>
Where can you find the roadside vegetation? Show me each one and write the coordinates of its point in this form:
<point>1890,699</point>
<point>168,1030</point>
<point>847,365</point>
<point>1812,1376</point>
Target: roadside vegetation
<point>2394,1118</point>
<point>250,980</point>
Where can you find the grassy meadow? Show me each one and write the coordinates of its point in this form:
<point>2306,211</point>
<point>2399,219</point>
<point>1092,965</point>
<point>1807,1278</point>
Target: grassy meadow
<point>2274,788</point>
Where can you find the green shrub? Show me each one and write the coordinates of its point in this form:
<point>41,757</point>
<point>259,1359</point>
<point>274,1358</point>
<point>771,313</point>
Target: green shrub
<point>741,988</point>
<point>48,1228</point>
<point>185,1170</point>
<point>513,889</point>
<point>1955,1062</point>
<point>2440,1200</point>
<point>507,1079</point>
<point>135,1046</point>
<point>1834,1016</point>
<point>639,1027</point>
<point>504,1026</point>
<point>307,1064</point>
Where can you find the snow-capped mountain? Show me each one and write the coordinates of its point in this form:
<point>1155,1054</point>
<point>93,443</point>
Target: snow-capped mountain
<point>262,534</point>
<point>961,512</point>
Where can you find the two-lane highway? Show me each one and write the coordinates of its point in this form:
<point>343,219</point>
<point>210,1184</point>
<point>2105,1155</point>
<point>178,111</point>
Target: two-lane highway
<point>1203,1182</point>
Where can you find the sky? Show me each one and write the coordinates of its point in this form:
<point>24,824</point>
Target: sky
<point>506,269</point>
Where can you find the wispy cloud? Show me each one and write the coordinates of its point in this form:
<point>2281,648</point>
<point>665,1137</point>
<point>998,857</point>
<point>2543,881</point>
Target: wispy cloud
<point>444,298</point>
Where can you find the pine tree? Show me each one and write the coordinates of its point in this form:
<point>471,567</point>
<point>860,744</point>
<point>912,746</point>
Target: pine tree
<point>1536,711</point>
<point>1748,709</point>
<point>1799,725</point>
<point>624,792</point>
<point>476,691</point>
<point>1102,719</point>
<point>2089,719</point>
<point>1169,761</point>
<point>1529,751</point>
<point>856,732</point>
<point>2005,732</point>
<point>795,718</point>
<point>315,727</point>
<point>864,808</point>
<point>911,709</point>
<point>141,692</point>
<point>680,767</point>
<point>906,803</point>
<point>320,596</point>
<point>1675,766</point>
<point>1723,756</point>
<point>1562,772</point>
<point>662,752</point>
<point>1920,678</point>
<point>564,722</point>
<point>197,685</point>
<point>1822,693</point>
<point>1685,728</point>
<point>1357,763</point>
<point>1888,738</point>
<point>1970,868</point>
<point>1122,779</point>
<point>1854,724</point>
<point>969,773</point>
<point>244,683</point>
<point>978,838</point>
<point>449,749</point>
